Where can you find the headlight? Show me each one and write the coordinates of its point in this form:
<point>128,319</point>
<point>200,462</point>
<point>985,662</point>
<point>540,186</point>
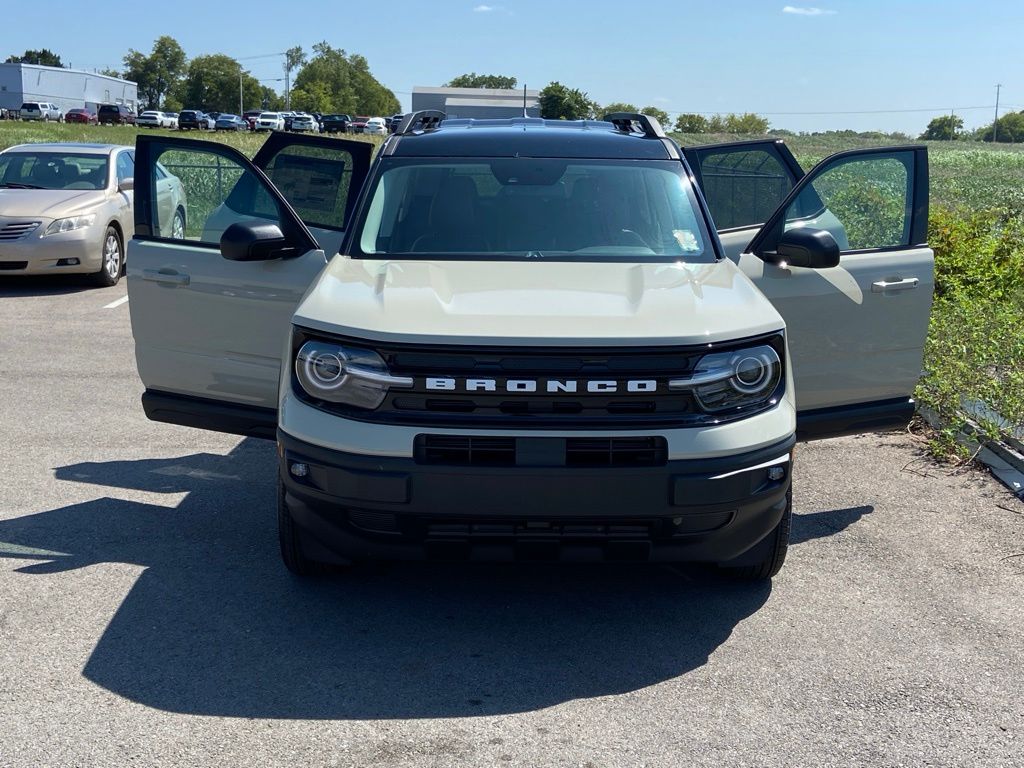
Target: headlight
<point>342,374</point>
<point>71,223</point>
<point>727,381</point>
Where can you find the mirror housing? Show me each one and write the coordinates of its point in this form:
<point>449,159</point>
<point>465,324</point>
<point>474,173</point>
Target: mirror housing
<point>254,241</point>
<point>807,247</point>
<point>126,185</point>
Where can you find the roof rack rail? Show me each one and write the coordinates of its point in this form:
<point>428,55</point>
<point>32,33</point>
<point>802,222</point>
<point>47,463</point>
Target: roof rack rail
<point>627,122</point>
<point>424,120</point>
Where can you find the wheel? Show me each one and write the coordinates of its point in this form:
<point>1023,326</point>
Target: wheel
<point>111,260</point>
<point>178,225</point>
<point>291,541</point>
<point>772,549</point>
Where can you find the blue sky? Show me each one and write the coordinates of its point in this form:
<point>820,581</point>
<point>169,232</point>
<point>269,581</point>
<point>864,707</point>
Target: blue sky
<point>768,56</point>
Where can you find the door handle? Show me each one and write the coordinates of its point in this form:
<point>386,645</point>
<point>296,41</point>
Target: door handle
<point>895,284</point>
<point>168,278</point>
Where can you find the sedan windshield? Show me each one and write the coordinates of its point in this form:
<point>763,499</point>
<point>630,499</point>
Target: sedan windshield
<point>586,210</point>
<point>53,170</point>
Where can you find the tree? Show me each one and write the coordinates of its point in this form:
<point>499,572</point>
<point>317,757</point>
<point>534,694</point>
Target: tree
<point>1011,128</point>
<point>212,84</point>
<point>716,124</point>
<point>658,114</point>
<point>158,73</point>
<point>111,72</point>
<point>338,82</point>
<point>746,123</point>
<point>690,123</point>
<point>44,57</point>
<point>559,102</point>
<point>944,128</point>
<point>293,58</point>
<point>473,80</point>
<point>617,107</point>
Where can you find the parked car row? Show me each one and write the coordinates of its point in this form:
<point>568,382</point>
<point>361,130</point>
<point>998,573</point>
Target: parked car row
<point>195,119</point>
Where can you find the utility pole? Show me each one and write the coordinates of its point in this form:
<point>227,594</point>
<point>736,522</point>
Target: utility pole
<point>287,87</point>
<point>995,123</point>
<point>241,109</point>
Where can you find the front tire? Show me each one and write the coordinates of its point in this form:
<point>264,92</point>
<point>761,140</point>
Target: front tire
<point>290,540</point>
<point>178,225</point>
<point>111,260</point>
<point>773,548</point>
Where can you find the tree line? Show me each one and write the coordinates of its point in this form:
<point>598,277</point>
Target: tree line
<point>1008,128</point>
<point>560,102</point>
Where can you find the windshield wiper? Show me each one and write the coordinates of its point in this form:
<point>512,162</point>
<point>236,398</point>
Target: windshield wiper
<point>16,185</point>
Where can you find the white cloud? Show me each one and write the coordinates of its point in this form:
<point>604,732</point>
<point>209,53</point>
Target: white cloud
<point>484,9</point>
<point>800,11</point>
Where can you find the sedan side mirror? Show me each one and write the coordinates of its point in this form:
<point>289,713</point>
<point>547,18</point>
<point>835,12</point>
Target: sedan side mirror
<point>254,241</point>
<point>807,247</point>
<point>126,185</point>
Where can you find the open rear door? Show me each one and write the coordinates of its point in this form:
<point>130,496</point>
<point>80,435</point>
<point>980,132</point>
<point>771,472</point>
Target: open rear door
<point>210,331</point>
<point>743,183</point>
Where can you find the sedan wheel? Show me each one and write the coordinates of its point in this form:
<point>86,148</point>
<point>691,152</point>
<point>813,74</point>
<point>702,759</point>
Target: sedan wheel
<point>111,261</point>
<point>178,225</point>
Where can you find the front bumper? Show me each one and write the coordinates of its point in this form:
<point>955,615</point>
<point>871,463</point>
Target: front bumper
<point>51,255</point>
<point>355,507</point>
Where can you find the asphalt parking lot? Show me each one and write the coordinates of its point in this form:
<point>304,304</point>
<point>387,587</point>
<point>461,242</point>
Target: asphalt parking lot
<point>145,617</point>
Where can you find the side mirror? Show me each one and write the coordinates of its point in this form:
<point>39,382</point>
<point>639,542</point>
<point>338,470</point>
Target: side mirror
<point>254,241</point>
<point>126,185</point>
<point>807,247</point>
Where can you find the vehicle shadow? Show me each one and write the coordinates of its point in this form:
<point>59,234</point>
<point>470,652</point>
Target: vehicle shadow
<point>216,626</point>
<point>818,525</point>
<point>46,285</point>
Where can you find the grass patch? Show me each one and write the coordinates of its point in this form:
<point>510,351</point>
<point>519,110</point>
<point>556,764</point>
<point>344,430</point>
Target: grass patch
<point>14,132</point>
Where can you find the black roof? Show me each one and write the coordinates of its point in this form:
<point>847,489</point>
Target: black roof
<point>530,137</point>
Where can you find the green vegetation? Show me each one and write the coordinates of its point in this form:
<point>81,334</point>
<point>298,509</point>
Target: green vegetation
<point>43,56</point>
<point>473,80</point>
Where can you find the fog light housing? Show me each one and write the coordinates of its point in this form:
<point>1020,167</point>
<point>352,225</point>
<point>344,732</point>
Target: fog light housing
<point>776,473</point>
<point>298,469</point>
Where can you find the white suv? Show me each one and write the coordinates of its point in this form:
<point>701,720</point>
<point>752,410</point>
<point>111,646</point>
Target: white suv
<point>41,110</point>
<point>532,339</point>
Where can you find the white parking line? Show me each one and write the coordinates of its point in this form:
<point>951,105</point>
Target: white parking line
<point>117,303</point>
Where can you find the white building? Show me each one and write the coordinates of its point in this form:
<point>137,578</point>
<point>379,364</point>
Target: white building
<point>477,103</point>
<point>67,88</point>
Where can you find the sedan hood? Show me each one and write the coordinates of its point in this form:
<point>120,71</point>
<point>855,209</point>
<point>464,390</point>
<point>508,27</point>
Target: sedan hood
<point>47,203</point>
<point>513,303</point>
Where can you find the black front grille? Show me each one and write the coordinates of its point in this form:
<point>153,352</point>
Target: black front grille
<point>580,452</point>
<point>538,387</point>
<point>9,265</point>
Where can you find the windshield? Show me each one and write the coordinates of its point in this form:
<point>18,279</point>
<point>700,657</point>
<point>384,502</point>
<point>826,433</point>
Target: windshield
<point>53,170</point>
<point>587,210</point>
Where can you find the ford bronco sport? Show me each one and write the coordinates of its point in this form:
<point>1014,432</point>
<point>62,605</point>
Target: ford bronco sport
<point>531,339</point>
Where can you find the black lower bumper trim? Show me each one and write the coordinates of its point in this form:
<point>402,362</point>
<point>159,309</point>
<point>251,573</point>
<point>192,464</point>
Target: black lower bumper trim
<point>371,507</point>
<point>877,416</point>
<point>215,415</point>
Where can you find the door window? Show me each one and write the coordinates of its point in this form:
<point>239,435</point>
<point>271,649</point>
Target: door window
<point>866,203</point>
<point>743,185</point>
<point>210,191</point>
<point>125,166</point>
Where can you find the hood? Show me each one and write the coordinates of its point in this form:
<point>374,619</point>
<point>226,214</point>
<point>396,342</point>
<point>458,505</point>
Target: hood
<point>512,303</point>
<point>47,203</point>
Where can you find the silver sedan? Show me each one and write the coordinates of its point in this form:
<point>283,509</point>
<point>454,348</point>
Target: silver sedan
<point>67,209</point>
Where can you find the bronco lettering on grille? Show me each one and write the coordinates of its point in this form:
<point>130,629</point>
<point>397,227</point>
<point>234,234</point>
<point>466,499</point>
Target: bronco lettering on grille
<point>552,386</point>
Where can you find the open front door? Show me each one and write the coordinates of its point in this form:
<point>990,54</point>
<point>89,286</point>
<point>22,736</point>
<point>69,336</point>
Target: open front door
<point>210,330</point>
<point>856,328</point>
